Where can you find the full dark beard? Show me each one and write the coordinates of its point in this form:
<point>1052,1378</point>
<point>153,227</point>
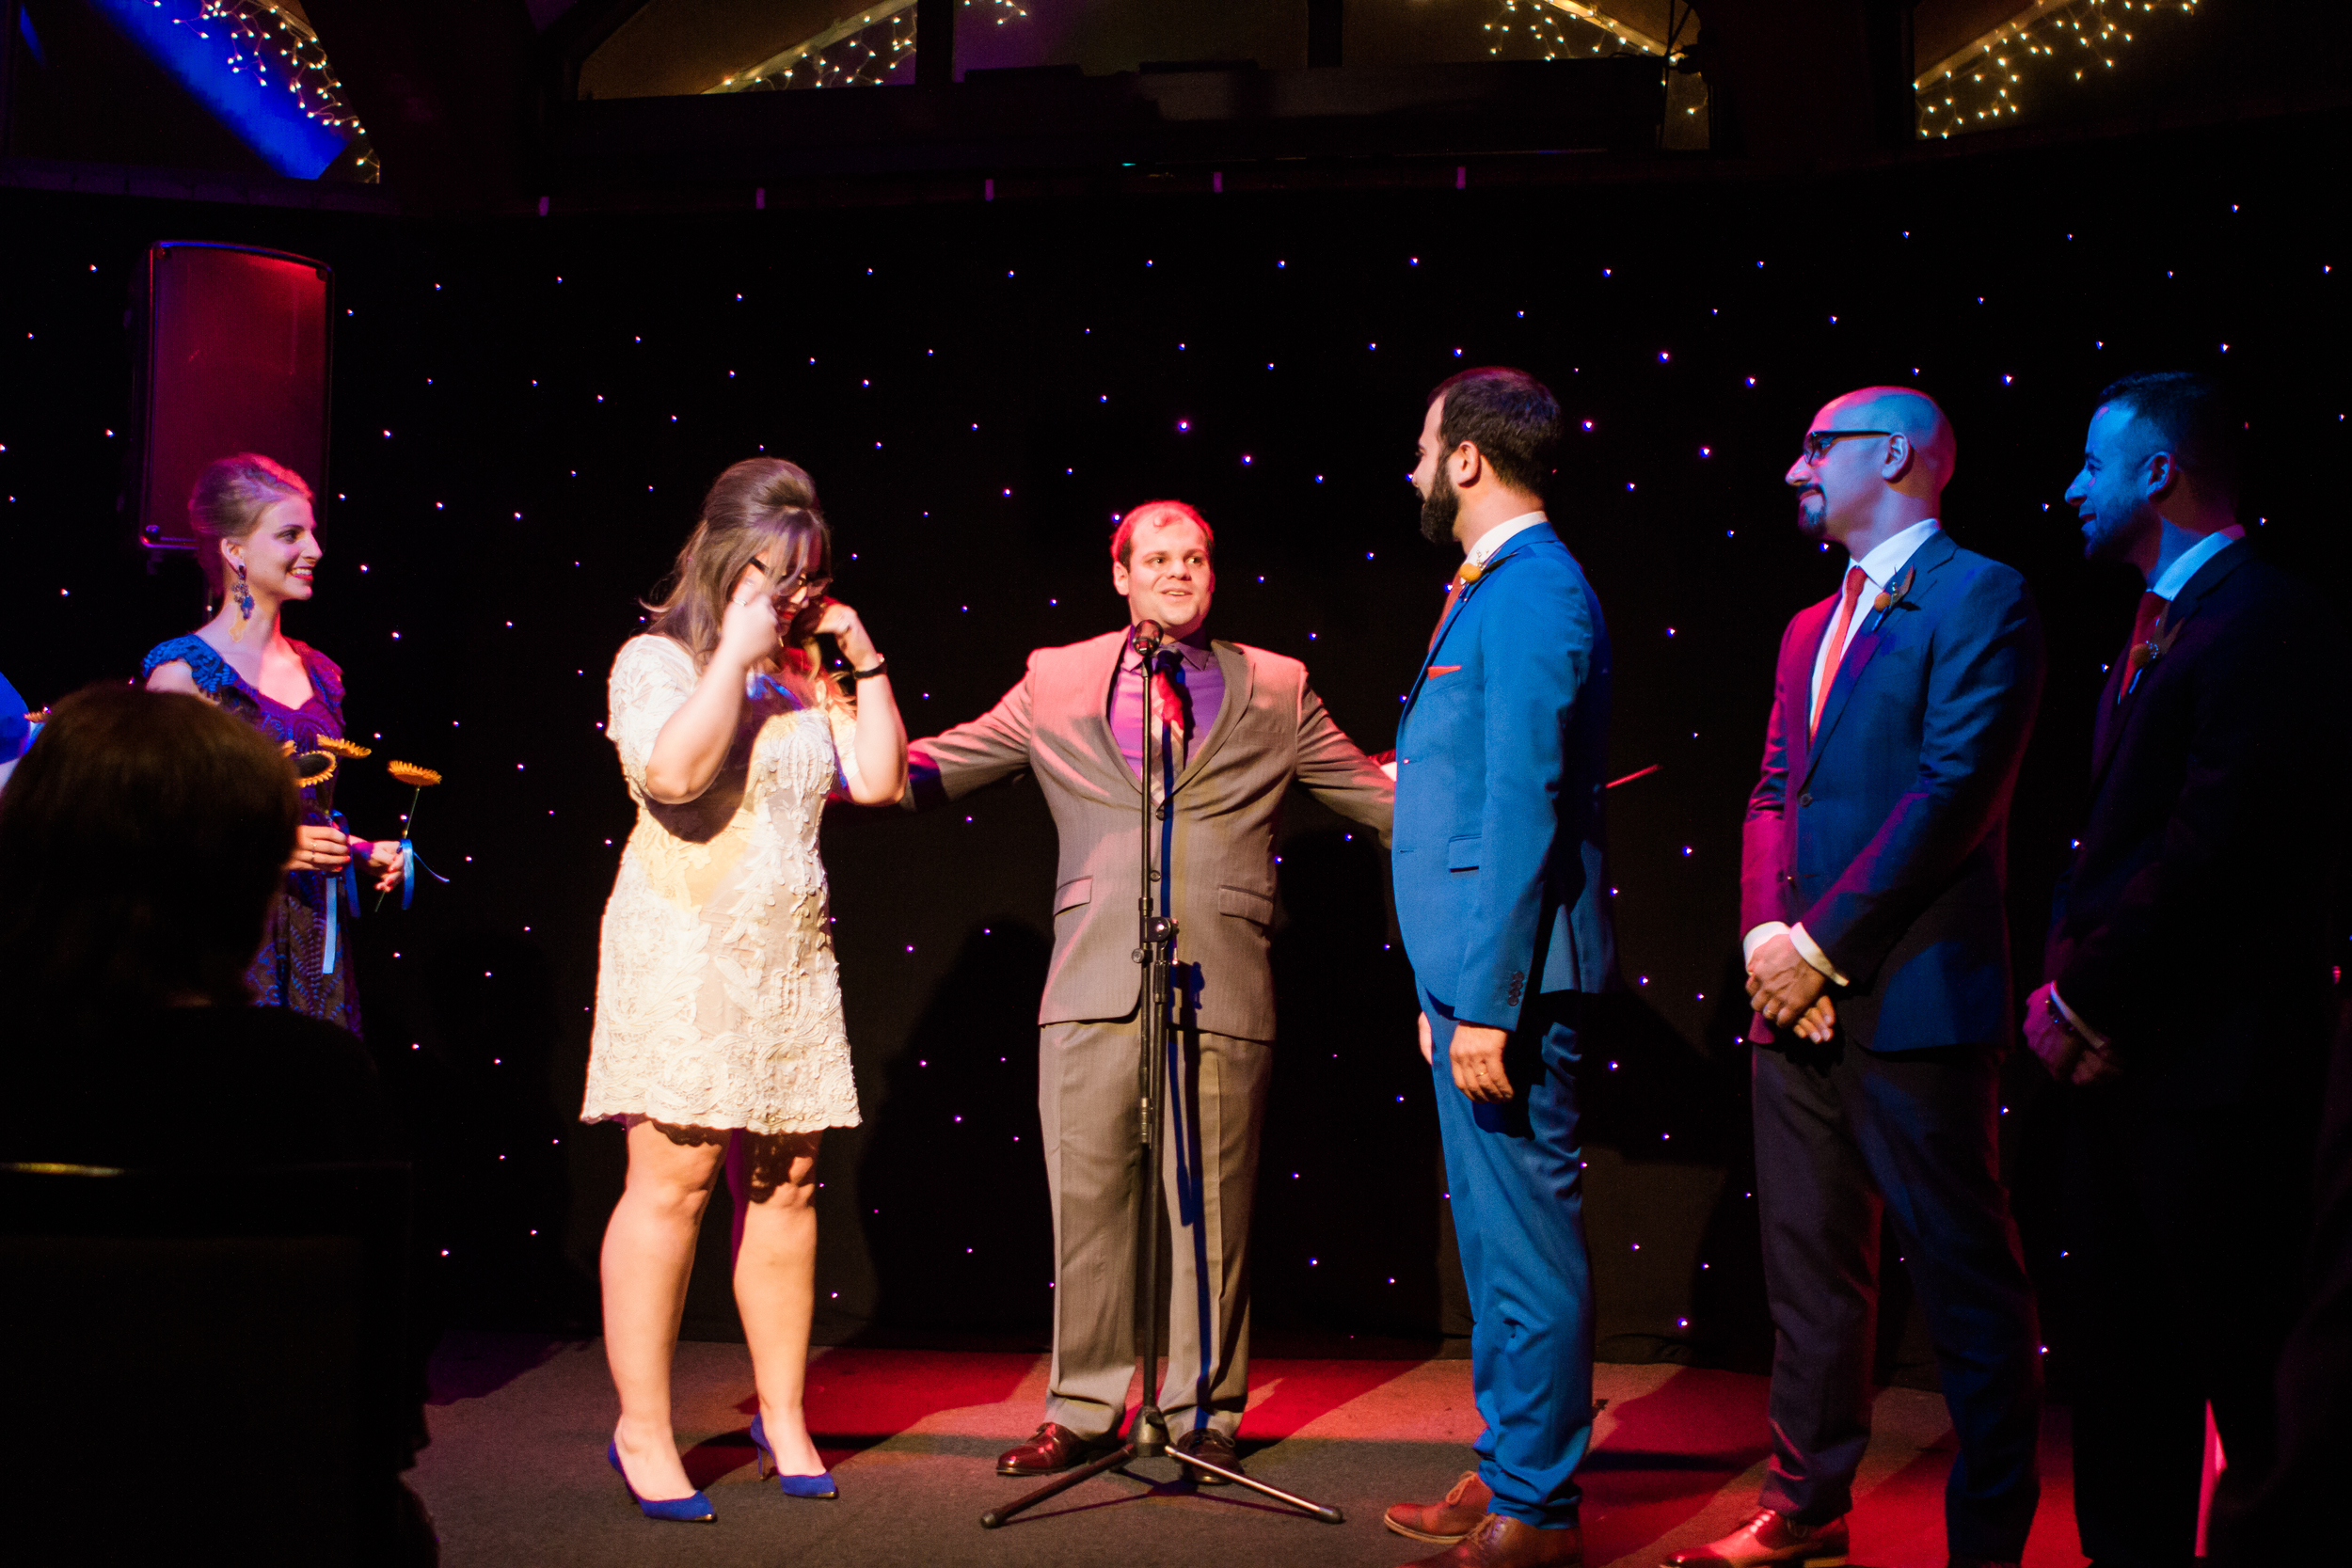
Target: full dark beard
<point>1440,508</point>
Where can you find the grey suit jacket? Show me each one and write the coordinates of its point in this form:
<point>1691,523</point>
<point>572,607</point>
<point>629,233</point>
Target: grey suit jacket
<point>1272,730</point>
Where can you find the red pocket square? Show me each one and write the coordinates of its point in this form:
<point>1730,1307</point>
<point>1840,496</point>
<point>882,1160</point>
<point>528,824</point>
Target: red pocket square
<point>1437,669</point>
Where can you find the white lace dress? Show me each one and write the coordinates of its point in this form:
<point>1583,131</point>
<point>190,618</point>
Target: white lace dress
<point>718,1001</point>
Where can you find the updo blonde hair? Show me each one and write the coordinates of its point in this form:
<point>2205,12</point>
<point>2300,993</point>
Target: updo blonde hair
<point>763,505</point>
<point>230,497</point>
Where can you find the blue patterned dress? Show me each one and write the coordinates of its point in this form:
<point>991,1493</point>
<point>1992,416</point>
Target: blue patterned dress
<point>286,971</point>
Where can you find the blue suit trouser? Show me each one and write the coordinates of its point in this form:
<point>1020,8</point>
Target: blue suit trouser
<point>1514,1175</point>
<point>1842,1136</point>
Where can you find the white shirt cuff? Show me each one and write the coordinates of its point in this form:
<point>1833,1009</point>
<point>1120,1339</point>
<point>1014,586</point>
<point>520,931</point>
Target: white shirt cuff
<point>2084,1030</point>
<point>1810,950</point>
<point>1759,936</point>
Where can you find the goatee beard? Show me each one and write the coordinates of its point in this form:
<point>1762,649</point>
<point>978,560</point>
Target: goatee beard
<point>1438,510</point>
<point>1813,517</point>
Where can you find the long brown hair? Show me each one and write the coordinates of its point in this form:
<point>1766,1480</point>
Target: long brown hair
<point>760,506</point>
<point>228,501</point>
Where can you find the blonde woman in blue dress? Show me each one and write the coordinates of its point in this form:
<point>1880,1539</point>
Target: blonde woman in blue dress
<point>717,1036</point>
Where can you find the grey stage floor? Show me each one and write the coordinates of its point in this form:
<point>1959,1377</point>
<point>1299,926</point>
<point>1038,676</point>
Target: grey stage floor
<point>517,1475</point>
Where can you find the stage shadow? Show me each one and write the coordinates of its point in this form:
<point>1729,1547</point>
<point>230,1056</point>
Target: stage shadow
<point>467,1365</point>
<point>1668,1454</point>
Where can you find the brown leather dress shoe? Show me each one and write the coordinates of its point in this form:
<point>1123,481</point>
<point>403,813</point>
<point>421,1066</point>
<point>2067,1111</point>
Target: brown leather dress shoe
<point>1770,1540</point>
<point>1443,1524</point>
<point>1050,1449</point>
<point>1213,1446</point>
<point>1499,1540</point>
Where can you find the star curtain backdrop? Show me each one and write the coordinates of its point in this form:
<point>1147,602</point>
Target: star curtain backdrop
<point>527,411</point>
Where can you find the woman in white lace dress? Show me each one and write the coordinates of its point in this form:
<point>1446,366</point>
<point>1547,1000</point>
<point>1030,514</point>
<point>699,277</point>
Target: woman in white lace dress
<point>717,1034</point>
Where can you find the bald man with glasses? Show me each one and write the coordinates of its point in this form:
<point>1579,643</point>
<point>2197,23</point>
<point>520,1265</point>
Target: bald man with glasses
<point>1871,876</point>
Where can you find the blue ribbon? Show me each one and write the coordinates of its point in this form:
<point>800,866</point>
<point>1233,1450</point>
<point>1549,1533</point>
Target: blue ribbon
<point>347,885</point>
<point>410,862</point>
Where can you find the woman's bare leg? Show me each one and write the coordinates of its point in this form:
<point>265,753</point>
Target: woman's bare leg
<point>775,1285</point>
<point>648,1253</point>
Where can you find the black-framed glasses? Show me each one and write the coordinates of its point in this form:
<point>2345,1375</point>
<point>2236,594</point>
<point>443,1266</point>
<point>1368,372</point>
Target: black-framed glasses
<point>1818,442</point>
<point>785,587</point>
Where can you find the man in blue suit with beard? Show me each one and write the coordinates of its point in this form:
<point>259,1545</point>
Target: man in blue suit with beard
<point>1499,891</point>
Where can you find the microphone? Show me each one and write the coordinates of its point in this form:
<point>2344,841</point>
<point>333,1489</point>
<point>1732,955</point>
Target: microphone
<point>1146,638</point>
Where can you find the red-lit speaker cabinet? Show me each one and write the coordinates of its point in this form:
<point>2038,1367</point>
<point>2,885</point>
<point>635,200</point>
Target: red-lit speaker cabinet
<point>237,354</point>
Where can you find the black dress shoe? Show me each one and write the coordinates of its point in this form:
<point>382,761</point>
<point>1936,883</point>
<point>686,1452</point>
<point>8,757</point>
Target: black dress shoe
<point>1049,1450</point>
<point>1214,1445</point>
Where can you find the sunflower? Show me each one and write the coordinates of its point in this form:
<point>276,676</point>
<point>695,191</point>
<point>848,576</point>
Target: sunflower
<point>349,750</point>
<point>313,767</point>
<point>409,774</point>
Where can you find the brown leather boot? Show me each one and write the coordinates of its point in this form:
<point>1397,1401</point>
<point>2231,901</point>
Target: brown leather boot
<point>1770,1540</point>
<point>1499,1540</point>
<point>1443,1524</point>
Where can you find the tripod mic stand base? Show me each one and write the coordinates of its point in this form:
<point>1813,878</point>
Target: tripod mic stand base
<point>1121,1457</point>
<point>1315,1510</point>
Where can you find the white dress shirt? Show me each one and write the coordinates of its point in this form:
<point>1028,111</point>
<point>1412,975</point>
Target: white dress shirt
<point>1499,535</point>
<point>1880,568</point>
<point>2167,587</point>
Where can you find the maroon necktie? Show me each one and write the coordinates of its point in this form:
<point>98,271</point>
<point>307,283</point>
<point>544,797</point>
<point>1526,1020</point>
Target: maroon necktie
<point>1854,580</point>
<point>2143,647</point>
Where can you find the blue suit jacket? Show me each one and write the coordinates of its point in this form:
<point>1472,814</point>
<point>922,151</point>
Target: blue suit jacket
<point>1496,850</point>
<point>1886,832</point>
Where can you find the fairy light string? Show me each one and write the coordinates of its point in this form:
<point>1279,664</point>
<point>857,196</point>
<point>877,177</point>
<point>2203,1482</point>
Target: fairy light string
<point>2046,45</point>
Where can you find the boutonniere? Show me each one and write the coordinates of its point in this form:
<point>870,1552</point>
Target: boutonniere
<point>1472,571</point>
<point>1889,597</point>
<point>2160,639</point>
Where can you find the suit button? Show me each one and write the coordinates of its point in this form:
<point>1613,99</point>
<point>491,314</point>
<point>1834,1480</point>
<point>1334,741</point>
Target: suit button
<point>1807,798</point>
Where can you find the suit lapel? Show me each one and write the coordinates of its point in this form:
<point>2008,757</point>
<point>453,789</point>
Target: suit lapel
<point>1239,679</point>
<point>1918,572</point>
<point>2116,706</point>
<point>1461,606</point>
<point>1096,726</point>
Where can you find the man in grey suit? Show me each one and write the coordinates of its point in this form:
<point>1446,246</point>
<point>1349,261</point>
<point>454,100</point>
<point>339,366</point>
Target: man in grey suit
<point>1232,728</point>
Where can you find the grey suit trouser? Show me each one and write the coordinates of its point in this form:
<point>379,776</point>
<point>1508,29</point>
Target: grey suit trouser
<point>1087,1091</point>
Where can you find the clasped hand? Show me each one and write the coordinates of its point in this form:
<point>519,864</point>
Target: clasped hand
<point>2070,1056</point>
<point>1788,993</point>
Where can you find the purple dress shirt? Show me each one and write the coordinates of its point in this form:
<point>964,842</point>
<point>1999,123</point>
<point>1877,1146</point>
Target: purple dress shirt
<point>1200,680</point>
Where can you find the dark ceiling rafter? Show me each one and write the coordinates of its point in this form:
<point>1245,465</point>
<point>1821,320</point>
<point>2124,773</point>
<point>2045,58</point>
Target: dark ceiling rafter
<point>580,32</point>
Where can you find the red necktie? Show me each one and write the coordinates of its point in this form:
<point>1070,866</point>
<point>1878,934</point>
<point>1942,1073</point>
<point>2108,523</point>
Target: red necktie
<point>1452,592</point>
<point>1854,580</point>
<point>2143,646</point>
<point>1168,704</point>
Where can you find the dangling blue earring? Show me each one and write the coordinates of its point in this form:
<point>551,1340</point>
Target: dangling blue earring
<point>245,599</point>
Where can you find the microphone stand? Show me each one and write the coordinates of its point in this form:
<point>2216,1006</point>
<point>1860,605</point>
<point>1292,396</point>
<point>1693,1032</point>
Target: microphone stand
<point>1155,951</point>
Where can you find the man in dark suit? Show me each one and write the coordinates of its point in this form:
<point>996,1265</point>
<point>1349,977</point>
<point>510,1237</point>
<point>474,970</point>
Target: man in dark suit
<point>2188,968</point>
<point>1872,869</point>
<point>1499,895</point>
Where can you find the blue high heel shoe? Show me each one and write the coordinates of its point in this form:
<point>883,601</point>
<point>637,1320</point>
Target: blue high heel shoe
<point>818,1486</point>
<point>681,1511</point>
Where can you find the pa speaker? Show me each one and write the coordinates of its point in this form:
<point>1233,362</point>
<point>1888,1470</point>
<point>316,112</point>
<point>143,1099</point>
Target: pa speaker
<point>236,357</point>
